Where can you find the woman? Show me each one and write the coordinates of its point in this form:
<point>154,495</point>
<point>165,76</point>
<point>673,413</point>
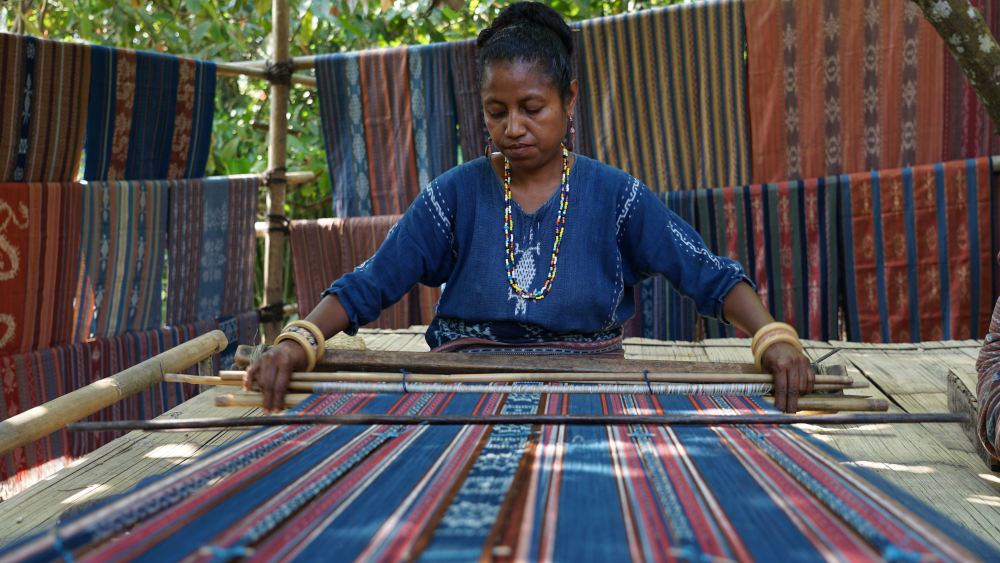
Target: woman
<point>537,248</point>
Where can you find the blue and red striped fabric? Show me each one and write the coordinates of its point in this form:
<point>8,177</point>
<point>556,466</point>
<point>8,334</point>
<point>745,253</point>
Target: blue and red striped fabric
<point>919,249</point>
<point>390,125</point>
<point>122,244</point>
<point>149,116</point>
<point>515,492</point>
<point>33,378</point>
<point>210,247</point>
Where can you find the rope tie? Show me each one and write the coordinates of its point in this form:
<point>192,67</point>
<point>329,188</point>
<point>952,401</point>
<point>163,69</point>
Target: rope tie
<point>645,375</point>
<point>279,72</point>
<point>405,373</point>
<point>282,223</point>
<point>273,313</point>
<point>270,176</point>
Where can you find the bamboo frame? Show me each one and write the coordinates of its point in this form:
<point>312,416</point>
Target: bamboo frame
<point>277,158</point>
<point>40,421</point>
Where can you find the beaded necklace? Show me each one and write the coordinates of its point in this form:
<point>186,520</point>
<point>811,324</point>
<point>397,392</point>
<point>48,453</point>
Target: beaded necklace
<point>508,229</point>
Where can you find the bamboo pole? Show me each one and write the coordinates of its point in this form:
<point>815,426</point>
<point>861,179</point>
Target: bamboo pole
<point>45,419</point>
<point>277,158</point>
<point>838,381</point>
<point>806,403</point>
<point>243,69</point>
<point>305,62</point>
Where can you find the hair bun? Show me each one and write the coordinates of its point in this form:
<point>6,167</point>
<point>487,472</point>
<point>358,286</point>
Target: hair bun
<point>529,13</point>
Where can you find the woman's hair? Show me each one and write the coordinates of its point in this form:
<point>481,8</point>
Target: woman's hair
<point>530,32</point>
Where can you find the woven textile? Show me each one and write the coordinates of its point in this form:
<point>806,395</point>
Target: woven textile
<point>39,260</point>
<point>31,379</point>
<point>560,493</point>
<point>664,94</point>
<point>918,252</point>
<point>42,108</point>
<point>325,249</point>
<point>844,86</point>
<point>988,386</point>
<point>786,235</point>
<point>122,243</point>
<point>149,116</point>
<point>389,125</point>
<point>210,247</point>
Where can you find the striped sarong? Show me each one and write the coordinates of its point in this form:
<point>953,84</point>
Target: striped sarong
<point>43,111</point>
<point>149,116</point>
<point>517,492</point>
<point>919,252</point>
<point>844,86</point>
<point>663,94</point>
<point>122,242</point>
<point>389,125</point>
<point>33,378</point>
<point>39,263</point>
<point>325,249</point>
<point>210,248</point>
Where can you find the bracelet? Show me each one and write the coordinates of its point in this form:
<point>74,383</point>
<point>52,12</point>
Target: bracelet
<point>313,329</point>
<point>768,328</point>
<point>781,336</point>
<point>301,340</point>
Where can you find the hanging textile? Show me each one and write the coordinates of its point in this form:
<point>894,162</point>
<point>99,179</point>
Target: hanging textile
<point>843,86</point>
<point>786,235</point>
<point>33,378</point>
<point>42,108</point>
<point>389,125</point>
<point>122,243</point>
<point>919,252</point>
<point>210,247</point>
<point>39,260</point>
<point>149,116</point>
<point>465,78</point>
<point>560,493</point>
<point>325,249</point>
<point>664,94</point>
<point>661,311</point>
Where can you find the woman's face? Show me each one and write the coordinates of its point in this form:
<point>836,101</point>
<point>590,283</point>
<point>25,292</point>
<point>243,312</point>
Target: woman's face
<point>525,115</point>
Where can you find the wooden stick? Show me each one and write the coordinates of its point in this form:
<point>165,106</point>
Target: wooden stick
<point>45,419</point>
<point>590,420</point>
<point>806,403</point>
<point>833,381</point>
<point>444,362</point>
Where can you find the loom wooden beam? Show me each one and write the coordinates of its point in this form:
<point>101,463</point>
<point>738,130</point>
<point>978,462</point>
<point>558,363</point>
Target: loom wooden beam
<point>590,420</point>
<point>444,363</point>
<point>635,376</point>
<point>277,158</point>
<point>968,37</point>
<point>40,421</point>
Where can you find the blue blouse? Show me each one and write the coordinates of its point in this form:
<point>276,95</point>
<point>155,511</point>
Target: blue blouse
<point>617,233</point>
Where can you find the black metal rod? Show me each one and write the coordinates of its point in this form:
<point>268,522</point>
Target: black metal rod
<point>390,419</point>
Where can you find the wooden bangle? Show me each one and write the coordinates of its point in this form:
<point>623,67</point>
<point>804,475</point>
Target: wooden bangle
<point>768,334</point>
<point>768,328</point>
<point>315,330</point>
<point>781,336</point>
<point>301,340</point>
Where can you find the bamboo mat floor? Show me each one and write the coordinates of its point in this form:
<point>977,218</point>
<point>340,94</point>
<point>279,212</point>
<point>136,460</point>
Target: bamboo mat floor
<point>934,462</point>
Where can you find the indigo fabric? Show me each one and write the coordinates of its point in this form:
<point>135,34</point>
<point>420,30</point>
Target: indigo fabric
<point>547,493</point>
<point>617,234</point>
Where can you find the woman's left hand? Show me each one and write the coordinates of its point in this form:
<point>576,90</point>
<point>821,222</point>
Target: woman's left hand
<point>793,374</point>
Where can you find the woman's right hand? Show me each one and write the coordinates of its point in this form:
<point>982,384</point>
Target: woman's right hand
<point>272,372</point>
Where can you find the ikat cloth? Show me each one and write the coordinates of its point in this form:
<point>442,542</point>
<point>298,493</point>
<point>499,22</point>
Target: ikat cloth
<point>43,108</point>
<point>515,492</point>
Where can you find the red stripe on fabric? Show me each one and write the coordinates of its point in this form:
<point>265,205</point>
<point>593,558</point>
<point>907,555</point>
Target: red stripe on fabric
<point>760,265</point>
<point>15,202</point>
<point>186,82</point>
<point>926,239</point>
<point>809,192</point>
<point>984,185</point>
<point>894,255</point>
<point>862,223</point>
<point>959,263</point>
<point>786,260</point>
<point>125,76</point>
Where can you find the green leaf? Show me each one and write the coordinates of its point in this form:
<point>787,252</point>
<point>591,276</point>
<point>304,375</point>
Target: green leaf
<point>228,151</point>
<point>199,32</point>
